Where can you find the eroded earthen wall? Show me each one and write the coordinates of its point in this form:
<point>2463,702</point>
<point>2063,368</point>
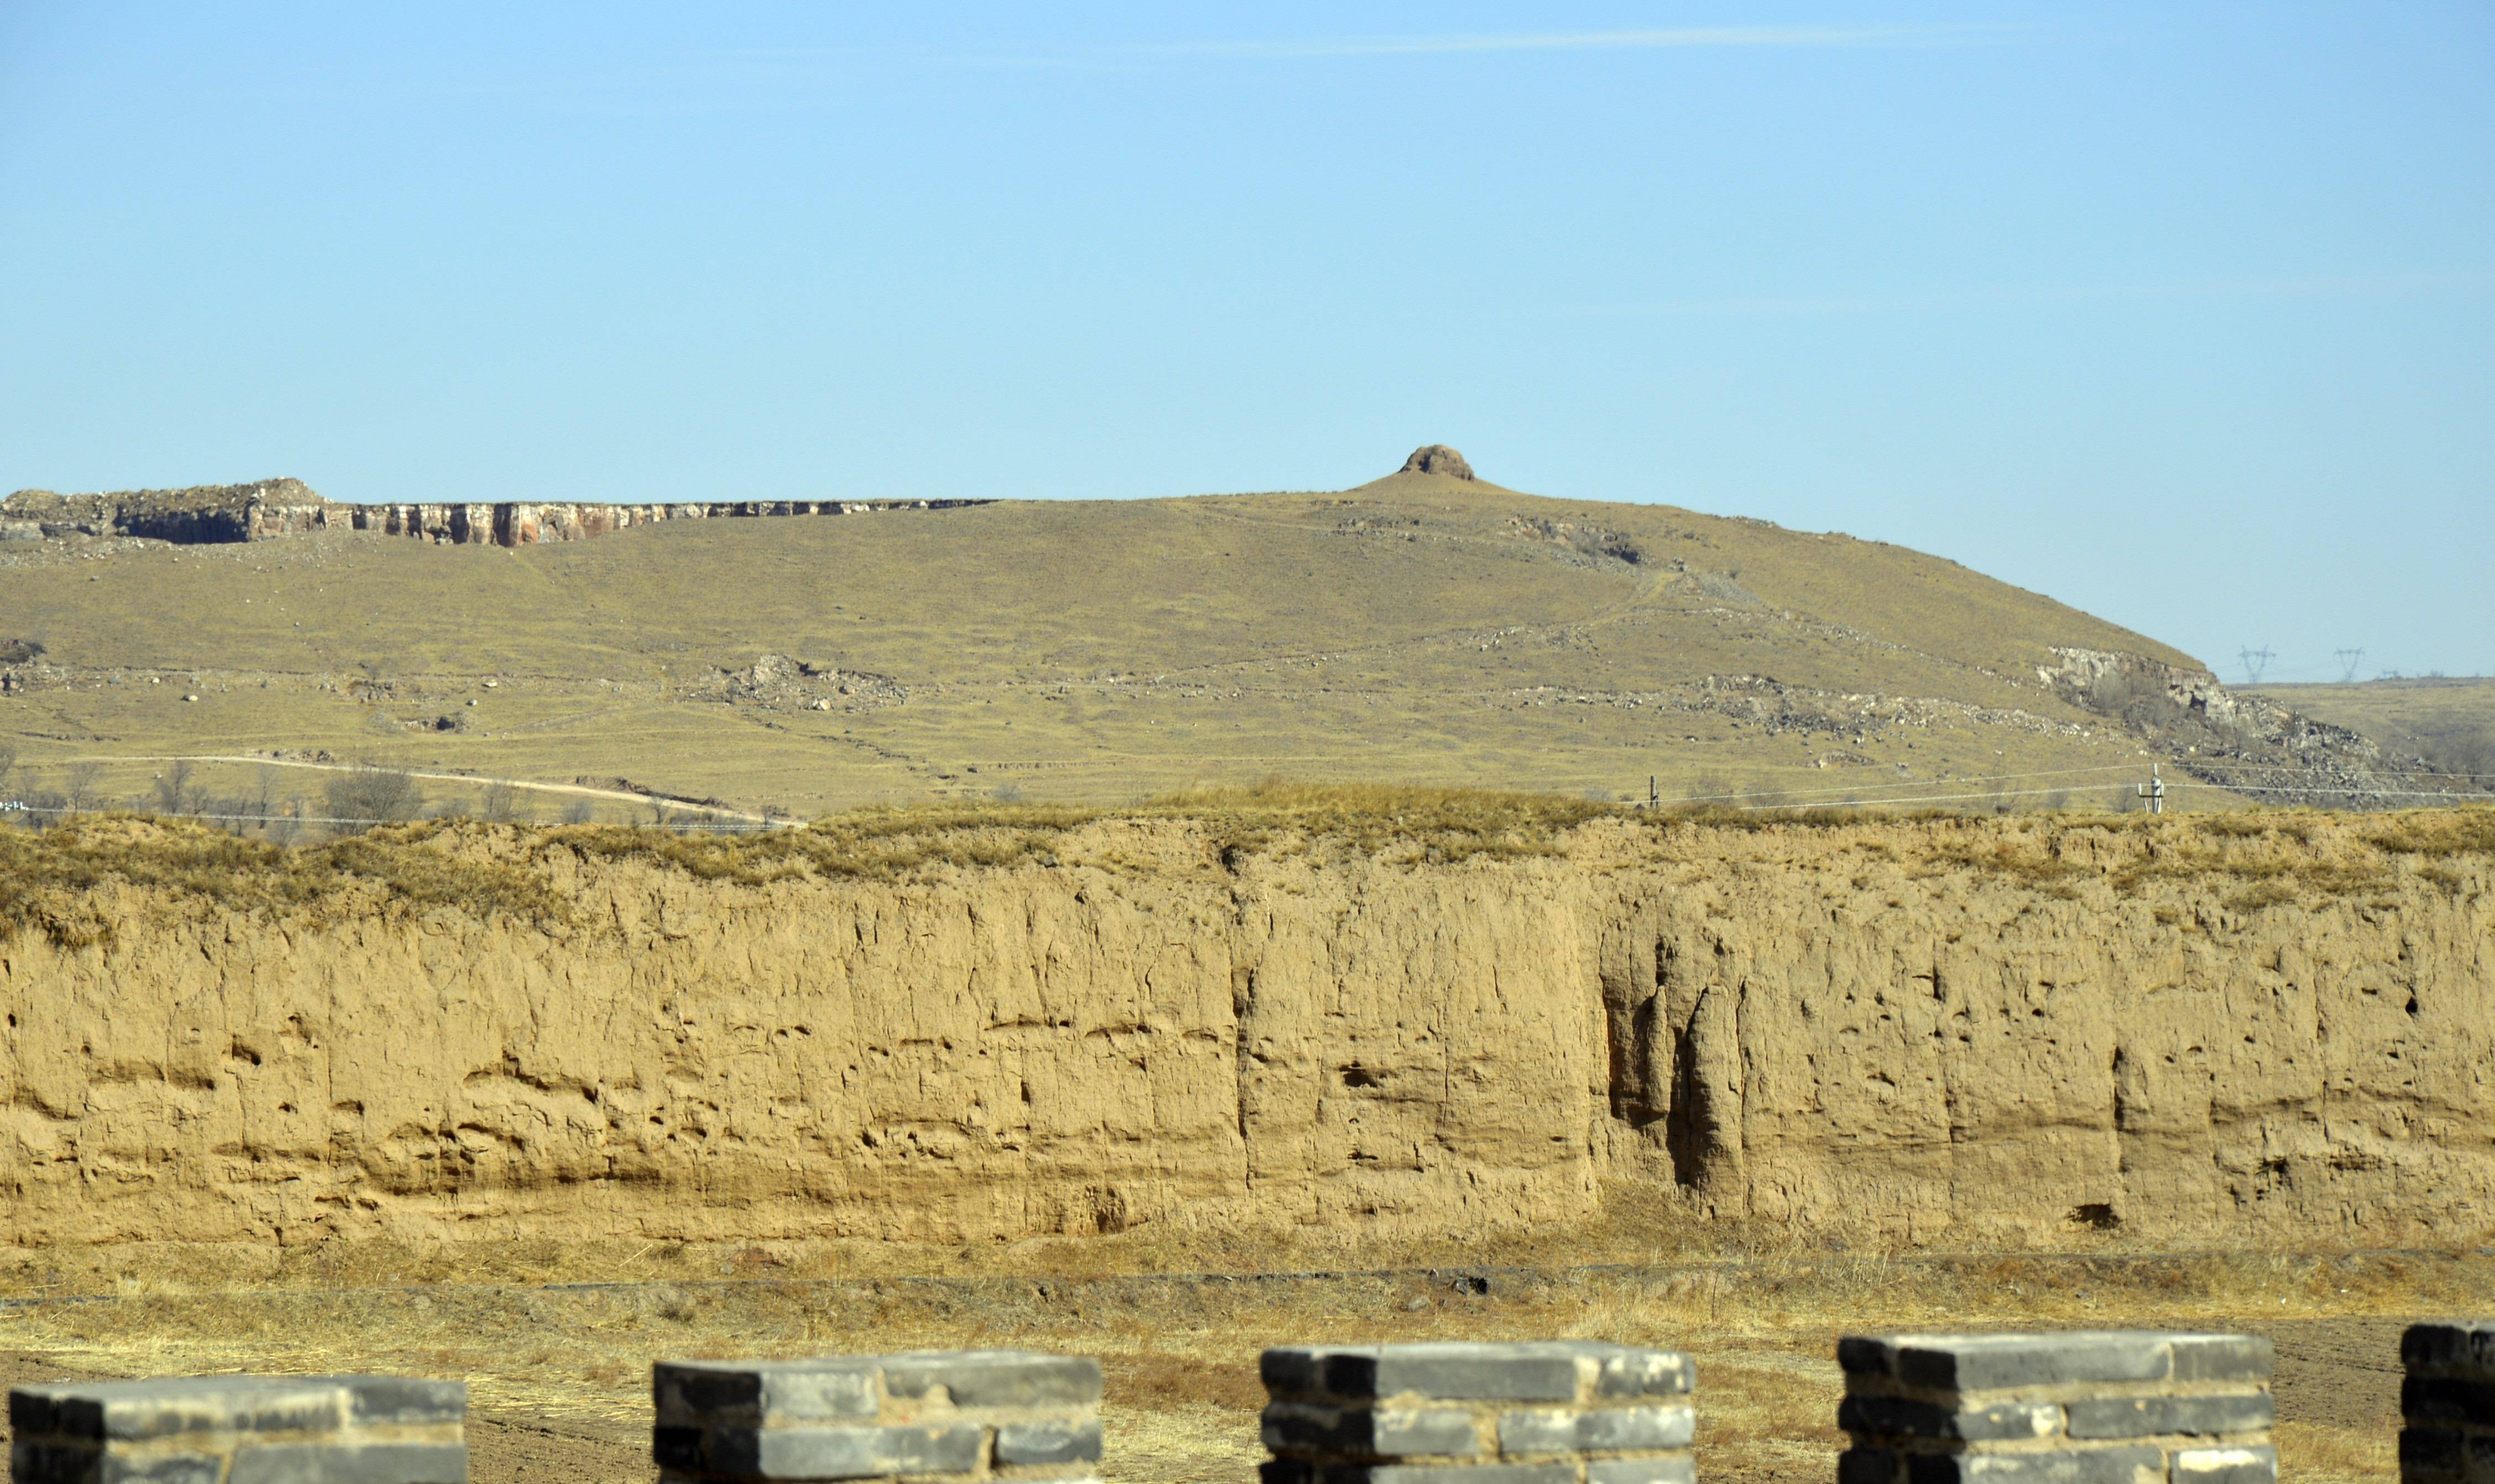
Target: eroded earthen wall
<point>1799,1026</point>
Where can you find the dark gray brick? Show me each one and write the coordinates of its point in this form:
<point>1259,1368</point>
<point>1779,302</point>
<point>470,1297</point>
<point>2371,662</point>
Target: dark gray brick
<point>2443,1401</point>
<point>1893,1416</point>
<point>343,1463</point>
<point>165,1468</point>
<point>30,1411</point>
<point>2253,1465</point>
<point>751,1393</point>
<point>2064,1465</point>
<point>2442,1450</point>
<point>1867,1354</point>
<point>1868,1465</point>
<point>1293,1372</point>
<point>1623,1428</point>
<point>2455,1347</point>
<point>2432,1456</point>
<point>1988,1362</point>
<point>403,1401</point>
<point>1679,1468</point>
<point>1539,1371</point>
<point>1448,1473</point>
<point>676,1447</point>
<point>1481,1372</point>
<point>844,1452</point>
<point>1541,1429</point>
<point>1633,1370</point>
<point>1062,1441</point>
<point>1384,1431</point>
<point>131,1410</point>
<point>33,1461</point>
<point>996,1377</point>
<point>2224,1357</point>
<point>2164,1416</point>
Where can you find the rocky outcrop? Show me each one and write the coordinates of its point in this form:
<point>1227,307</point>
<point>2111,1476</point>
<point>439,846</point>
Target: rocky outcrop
<point>1936,1031</point>
<point>528,525</point>
<point>1439,460</point>
<point>203,515</point>
<point>2249,744</point>
<point>212,514</point>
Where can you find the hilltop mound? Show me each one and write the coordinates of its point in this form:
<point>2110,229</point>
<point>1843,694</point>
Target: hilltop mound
<point>1437,459</point>
<point>1425,627</point>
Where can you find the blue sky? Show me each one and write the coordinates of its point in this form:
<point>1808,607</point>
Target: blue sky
<point>2185,315</point>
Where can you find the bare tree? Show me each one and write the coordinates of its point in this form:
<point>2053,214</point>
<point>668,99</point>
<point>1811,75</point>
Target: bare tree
<point>77,783</point>
<point>577,811</point>
<point>174,793</point>
<point>370,795</point>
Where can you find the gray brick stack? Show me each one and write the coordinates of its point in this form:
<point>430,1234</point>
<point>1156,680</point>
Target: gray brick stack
<point>2101,1406</point>
<point>241,1429</point>
<point>2448,1403</point>
<point>955,1415</point>
<point>1544,1412</point>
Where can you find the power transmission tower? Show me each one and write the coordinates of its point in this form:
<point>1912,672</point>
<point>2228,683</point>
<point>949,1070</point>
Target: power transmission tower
<point>2348,659</point>
<point>2255,660</point>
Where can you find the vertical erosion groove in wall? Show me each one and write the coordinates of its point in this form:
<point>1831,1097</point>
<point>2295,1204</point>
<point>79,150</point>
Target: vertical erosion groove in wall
<point>1785,1027</point>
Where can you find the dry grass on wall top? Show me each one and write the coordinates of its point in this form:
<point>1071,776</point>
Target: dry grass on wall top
<point>48,878</point>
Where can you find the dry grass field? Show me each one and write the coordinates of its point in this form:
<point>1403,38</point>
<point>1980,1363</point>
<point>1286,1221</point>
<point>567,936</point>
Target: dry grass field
<point>1418,628</point>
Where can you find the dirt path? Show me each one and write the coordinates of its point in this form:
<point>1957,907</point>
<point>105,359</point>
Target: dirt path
<point>2338,1372</point>
<point>576,791</point>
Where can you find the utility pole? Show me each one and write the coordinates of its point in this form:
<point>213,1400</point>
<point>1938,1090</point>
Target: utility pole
<point>2154,790</point>
<point>2255,660</point>
<point>2348,659</point>
<point>1653,800</point>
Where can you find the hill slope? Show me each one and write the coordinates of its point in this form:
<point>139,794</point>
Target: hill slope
<point>1420,628</point>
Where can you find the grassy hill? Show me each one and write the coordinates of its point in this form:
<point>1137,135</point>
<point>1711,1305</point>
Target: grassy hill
<point>1420,628</point>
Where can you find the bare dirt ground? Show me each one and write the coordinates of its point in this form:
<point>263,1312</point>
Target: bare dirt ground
<point>558,1372</point>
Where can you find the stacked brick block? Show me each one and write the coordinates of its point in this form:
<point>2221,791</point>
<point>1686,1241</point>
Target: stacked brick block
<point>2103,1406</point>
<point>2448,1403</point>
<point>1002,1416</point>
<point>241,1429</point>
<point>1543,1412</point>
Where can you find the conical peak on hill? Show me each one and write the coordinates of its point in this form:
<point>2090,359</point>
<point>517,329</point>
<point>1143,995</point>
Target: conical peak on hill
<point>1437,459</point>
